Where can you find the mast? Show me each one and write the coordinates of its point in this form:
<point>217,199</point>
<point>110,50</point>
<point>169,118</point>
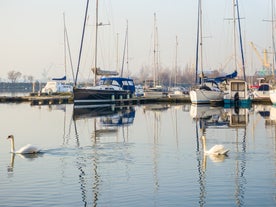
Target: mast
<point>197,40</point>
<point>155,51</point>
<point>96,44</point>
<point>82,38</point>
<point>176,45</point>
<point>234,35</point>
<point>273,38</point>
<point>241,45</point>
<point>125,48</point>
<point>201,49</point>
<point>64,43</point>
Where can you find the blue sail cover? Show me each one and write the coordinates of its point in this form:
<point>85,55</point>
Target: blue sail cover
<point>222,78</point>
<point>60,79</point>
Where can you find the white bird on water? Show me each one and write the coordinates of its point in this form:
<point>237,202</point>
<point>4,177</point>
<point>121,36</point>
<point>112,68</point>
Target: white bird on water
<point>217,149</point>
<point>27,149</point>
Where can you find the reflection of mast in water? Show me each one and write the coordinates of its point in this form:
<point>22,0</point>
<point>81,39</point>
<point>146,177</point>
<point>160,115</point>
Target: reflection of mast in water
<point>239,120</point>
<point>201,165</point>
<point>176,124</point>
<point>240,180</point>
<point>81,163</point>
<point>156,110</point>
<point>155,148</point>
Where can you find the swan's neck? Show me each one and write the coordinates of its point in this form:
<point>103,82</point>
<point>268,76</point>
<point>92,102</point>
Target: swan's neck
<point>12,145</point>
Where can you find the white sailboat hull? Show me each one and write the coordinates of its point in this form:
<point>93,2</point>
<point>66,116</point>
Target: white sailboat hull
<point>202,96</point>
<point>272,95</point>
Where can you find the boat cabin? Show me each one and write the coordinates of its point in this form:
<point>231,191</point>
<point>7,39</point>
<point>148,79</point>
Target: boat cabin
<point>124,83</point>
<point>237,93</point>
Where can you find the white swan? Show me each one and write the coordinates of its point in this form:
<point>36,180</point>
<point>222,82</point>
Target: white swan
<point>27,149</point>
<point>217,149</point>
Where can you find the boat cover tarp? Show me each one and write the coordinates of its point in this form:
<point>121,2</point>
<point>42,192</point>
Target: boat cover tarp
<point>222,78</point>
<point>105,72</point>
<point>60,79</point>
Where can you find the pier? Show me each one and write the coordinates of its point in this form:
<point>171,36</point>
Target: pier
<point>68,99</point>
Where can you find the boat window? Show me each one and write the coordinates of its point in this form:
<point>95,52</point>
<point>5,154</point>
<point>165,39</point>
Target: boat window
<point>130,83</point>
<point>125,83</point>
<point>264,88</point>
<point>238,86</point>
<point>107,82</point>
<point>115,83</point>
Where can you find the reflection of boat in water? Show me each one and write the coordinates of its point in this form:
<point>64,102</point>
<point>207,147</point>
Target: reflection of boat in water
<point>271,119</point>
<point>238,117</point>
<point>122,118</point>
<point>156,107</point>
<point>212,116</point>
<point>263,110</point>
<point>109,116</point>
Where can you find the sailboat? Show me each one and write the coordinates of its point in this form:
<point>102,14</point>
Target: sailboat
<point>203,92</point>
<point>154,89</point>
<point>60,85</point>
<point>238,93</point>
<point>111,86</point>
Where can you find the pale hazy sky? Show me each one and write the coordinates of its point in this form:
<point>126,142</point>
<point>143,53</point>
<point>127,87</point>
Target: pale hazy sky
<point>32,33</point>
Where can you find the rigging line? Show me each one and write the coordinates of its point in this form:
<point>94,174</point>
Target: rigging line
<point>82,37</point>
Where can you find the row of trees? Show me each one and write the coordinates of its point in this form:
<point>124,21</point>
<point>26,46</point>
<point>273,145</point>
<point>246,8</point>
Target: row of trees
<point>14,76</point>
<point>166,76</point>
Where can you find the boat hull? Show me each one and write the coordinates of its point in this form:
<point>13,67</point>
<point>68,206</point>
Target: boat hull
<point>272,96</point>
<point>85,97</point>
<point>199,96</point>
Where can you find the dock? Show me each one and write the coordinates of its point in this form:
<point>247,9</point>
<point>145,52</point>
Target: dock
<point>68,99</point>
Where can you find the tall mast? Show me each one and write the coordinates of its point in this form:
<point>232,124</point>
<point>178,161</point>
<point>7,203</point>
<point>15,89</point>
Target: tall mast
<point>273,38</point>
<point>64,43</point>
<point>197,40</point>
<point>234,35</point>
<point>175,77</point>
<point>201,49</point>
<point>96,44</point>
<point>82,38</point>
<point>125,51</point>
<point>240,37</point>
<point>155,52</point>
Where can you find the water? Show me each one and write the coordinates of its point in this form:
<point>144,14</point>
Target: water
<point>145,156</point>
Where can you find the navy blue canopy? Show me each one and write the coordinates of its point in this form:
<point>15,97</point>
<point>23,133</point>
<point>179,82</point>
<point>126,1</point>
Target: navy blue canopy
<point>60,79</point>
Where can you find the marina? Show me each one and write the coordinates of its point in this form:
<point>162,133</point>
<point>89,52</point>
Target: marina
<point>114,108</point>
<point>63,99</point>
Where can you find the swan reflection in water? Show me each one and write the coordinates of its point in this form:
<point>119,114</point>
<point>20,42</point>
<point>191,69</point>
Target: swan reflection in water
<point>28,157</point>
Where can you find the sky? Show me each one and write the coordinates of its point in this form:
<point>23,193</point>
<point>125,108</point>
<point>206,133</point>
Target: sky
<point>32,35</point>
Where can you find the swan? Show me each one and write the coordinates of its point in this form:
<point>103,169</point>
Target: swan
<point>217,149</point>
<point>27,149</point>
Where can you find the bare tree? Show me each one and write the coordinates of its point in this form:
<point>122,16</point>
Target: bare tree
<point>30,78</point>
<point>13,76</point>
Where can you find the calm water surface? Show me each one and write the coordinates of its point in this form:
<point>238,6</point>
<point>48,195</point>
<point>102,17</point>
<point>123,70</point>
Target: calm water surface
<point>142,156</point>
